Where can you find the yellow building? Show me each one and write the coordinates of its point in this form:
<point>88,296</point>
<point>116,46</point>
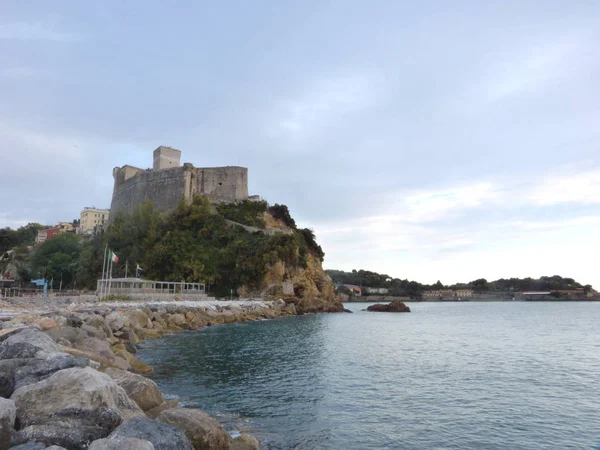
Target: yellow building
<point>92,219</point>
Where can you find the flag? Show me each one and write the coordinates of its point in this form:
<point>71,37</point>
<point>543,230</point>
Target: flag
<point>114,258</point>
<point>138,269</point>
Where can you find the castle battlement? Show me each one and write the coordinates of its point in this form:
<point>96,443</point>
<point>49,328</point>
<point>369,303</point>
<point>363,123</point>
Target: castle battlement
<point>169,181</point>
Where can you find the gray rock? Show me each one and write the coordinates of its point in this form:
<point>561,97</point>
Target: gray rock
<point>70,334</point>
<point>73,428</point>
<point>116,321</point>
<point>55,447</point>
<point>18,350</point>
<point>100,323</point>
<point>38,369</point>
<point>94,331</point>
<point>7,370</point>
<point>121,444</point>
<point>140,389</point>
<point>162,436</point>
<point>167,404</point>
<point>8,332</point>
<point>8,414</point>
<point>203,431</point>
<point>74,321</point>
<point>72,388</point>
<point>32,337</point>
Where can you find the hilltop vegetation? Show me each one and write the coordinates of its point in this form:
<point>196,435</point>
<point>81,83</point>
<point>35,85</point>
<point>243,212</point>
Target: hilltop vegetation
<point>192,243</point>
<point>399,287</point>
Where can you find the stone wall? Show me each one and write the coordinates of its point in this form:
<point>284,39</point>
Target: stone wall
<point>166,187</point>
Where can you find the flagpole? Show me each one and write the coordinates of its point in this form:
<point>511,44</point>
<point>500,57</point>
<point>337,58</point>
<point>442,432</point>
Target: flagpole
<point>103,270</point>
<point>109,272</point>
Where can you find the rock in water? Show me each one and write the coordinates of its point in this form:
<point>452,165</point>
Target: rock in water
<point>395,306</point>
<point>8,414</point>
<point>161,435</point>
<point>140,389</point>
<point>203,431</point>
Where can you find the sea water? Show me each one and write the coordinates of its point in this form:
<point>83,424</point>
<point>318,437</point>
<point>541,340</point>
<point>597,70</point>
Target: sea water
<point>502,375</point>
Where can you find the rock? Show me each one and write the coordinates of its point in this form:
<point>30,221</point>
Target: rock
<point>203,431</point>
<point>46,323</point>
<point>99,323</point>
<point>73,428</point>
<point>35,370</point>
<point>55,447</point>
<point>72,388</point>
<point>18,350</point>
<point>139,366</point>
<point>167,404</point>
<point>113,361</point>
<point>245,442</point>
<point>33,337</point>
<point>74,321</point>
<point>395,306</point>
<point>140,389</point>
<point>161,435</point>
<point>138,318</point>
<point>152,333</point>
<point>70,334</point>
<point>121,444</point>
<point>8,414</point>
<point>5,333</point>
<point>94,331</point>
<point>117,321</point>
<point>7,371</point>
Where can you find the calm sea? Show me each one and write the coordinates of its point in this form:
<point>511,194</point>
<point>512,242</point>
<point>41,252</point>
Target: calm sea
<point>446,376</point>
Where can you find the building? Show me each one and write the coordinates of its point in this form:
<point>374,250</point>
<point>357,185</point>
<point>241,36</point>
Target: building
<point>168,182</point>
<point>65,227</point>
<point>91,219</point>
<point>47,234</point>
<point>356,290</point>
<point>448,294</point>
<point>373,290</point>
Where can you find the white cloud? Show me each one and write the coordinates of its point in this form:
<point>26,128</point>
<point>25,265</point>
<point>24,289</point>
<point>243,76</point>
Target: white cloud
<point>579,187</point>
<point>36,31</point>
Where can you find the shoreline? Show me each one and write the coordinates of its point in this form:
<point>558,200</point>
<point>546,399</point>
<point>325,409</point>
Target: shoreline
<point>80,347</point>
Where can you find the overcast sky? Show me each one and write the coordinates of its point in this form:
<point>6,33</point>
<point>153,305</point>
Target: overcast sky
<point>427,140</point>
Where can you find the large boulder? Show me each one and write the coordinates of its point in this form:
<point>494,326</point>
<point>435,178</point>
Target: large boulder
<point>31,446</point>
<point>162,436</point>
<point>8,414</point>
<point>245,442</point>
<point>395,306</point>
<point>140,389</point>
<point>203,431</point>
<point>73,428</point>
<point>7,371</point>
<point>35,369</point>
<point>116,321</point>
<point>167,404</point>
<point>68,336</point>
<point>28,338</point>
<point>138,318</point>
<point>121,444</point>
<point>74,388</point>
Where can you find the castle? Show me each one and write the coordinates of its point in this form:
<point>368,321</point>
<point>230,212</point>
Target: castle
<point>168,182</point>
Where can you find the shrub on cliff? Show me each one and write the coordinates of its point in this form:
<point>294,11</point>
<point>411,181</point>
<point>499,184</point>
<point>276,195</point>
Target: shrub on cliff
<point>282,213</point>
<point>246,212</point>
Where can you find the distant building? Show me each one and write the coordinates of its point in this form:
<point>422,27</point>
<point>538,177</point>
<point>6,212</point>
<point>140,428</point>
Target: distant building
<point>65,227</point>
<point>47,234</point>
<point>92,219</point>
<point>357,290</point>
<point>449,293</point>
<point>372,290</point>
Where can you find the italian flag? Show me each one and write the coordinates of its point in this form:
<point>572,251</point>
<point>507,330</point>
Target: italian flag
<point>114,258</point>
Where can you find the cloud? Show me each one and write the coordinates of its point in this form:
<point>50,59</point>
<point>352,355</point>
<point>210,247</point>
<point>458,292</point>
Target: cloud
<point>325,102</point>
<point>582,188</point>
<point>36,31</point>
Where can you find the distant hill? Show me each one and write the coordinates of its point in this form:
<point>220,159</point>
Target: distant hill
<point>397,286</point>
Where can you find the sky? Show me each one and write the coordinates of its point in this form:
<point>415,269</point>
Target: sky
<point>426,140</point>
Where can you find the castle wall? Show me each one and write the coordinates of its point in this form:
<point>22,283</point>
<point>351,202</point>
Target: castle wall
<point>222,184</point>
<point>166,187</point>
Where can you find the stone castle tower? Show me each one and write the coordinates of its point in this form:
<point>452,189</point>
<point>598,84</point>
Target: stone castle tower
<point>168,182</point>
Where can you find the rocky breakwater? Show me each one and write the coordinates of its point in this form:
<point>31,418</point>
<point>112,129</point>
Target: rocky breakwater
<point>71,380</point>
<point>395,306</point>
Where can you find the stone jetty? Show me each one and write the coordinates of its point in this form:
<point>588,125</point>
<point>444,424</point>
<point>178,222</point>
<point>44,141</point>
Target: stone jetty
<point>70,378</point>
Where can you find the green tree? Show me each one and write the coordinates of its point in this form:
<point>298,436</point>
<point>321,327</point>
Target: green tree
<point>57,259</point>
